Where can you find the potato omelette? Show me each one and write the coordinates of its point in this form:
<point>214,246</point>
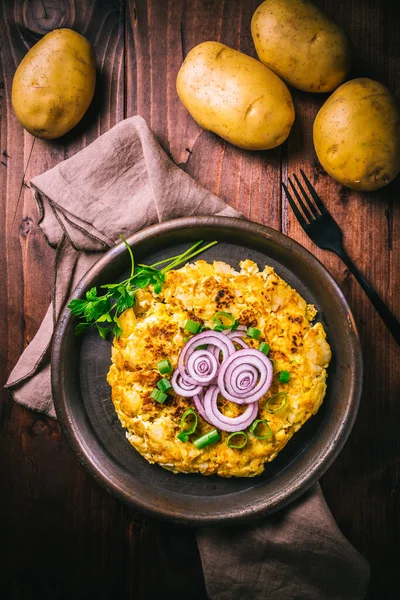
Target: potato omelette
<point>154,330</point>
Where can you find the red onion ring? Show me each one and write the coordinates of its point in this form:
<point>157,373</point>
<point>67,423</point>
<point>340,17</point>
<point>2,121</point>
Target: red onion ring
<point>237,337</point>
<point>219,420</point>
<point>247,379</point>
<point>241,365</point>
<point>201,367</point>
<point>215,351</point>
<point>183,387</point>
<point>211,338</point>
<point>198,401</point>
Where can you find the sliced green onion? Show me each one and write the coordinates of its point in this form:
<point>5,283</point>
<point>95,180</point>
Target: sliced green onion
<point>254,426</point>
<point>253,333</point>
<point>192,326</point>
<point>192,429</point>
<point>235,325</point>
<point>157,288</point>
<point>219,328</point>
<point>224,320</point>
<point>164,385</point>
<point>164,366</point>
<point>208,438</point>
<point>159,396</point>
<point>284,376</point>
<point>183,436</point>
<point>202,347</point>
<point>264,347</point>
<point>239,445</point>
<point>282,404</point>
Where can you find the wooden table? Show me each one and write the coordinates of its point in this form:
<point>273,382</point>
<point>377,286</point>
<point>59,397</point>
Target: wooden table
<point>64,536</point>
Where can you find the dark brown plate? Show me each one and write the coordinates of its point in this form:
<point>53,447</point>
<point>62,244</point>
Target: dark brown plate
<point>83,400</point>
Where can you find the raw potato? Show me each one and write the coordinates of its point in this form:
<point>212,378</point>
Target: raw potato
<point>357,135</point>
<point>235,96</point>
<point>54,84</point>
<point>301,44</point>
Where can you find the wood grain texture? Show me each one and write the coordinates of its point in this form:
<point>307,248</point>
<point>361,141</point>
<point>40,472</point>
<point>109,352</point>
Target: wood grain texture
<point>65,537</point>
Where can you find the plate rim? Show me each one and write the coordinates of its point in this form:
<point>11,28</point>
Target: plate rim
<point>89,461</point>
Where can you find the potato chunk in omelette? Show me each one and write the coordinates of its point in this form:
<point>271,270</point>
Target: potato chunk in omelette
<point>155,330</point>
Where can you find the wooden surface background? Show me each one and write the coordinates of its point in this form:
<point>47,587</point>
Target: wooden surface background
<point>65,537</point>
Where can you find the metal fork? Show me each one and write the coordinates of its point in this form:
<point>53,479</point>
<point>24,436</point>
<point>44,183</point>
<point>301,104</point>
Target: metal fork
<point>323,230</point>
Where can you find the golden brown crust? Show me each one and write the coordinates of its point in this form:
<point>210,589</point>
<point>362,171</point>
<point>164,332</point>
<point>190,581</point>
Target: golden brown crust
<point>154,330</point>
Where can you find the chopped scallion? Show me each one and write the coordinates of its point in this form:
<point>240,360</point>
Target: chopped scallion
<point>239,445</point>
<point>255,425</point>
<point>264,347</point>
<point>158,396</point>
<point>184,421</point>
<point>276,397</point>
<point>208,438</point>
<point>284,376</point>
<point>183,436</point>
<point>192,326</point>
<point>253,333</point>
<point>164,385</point>
<point>224,320</point>
<point>164,366</point>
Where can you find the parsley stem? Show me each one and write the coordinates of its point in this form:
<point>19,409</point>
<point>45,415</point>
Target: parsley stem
<point>179,257</point>
<point>130,254</point>
<point>186,258</point>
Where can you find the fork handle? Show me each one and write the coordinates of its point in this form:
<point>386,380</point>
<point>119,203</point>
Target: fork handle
<point>387,316</point>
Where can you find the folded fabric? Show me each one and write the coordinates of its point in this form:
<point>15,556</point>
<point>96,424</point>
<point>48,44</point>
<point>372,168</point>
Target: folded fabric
<point>120,184</point>
<point>297,553</point>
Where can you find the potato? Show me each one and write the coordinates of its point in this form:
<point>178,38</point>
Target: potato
<point>301,44</point>
<point>357,135</point>
<point>54,84</point>
<point>235,96</point>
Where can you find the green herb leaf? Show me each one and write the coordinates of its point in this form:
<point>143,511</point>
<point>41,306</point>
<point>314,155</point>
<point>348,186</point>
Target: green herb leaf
<point>77,307</point>
<point>103,331</point>
<point>82,327</point>
<point>91,294</point>
<point>106,317</point>
<point>117,329</point>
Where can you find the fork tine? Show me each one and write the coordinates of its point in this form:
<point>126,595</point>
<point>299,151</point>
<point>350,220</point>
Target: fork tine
<point>296,211</point>
<point>314,194</point>
<point>306,198</point>
<point>300,201</point>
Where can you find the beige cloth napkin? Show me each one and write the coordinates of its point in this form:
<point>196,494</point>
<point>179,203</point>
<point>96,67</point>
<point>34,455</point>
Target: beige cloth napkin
<point>122,183</point>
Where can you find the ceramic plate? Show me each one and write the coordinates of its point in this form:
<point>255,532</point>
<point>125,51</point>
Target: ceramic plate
<point>83,398</point>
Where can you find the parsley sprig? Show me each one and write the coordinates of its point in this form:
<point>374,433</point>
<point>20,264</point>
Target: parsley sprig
<point>97,310</point>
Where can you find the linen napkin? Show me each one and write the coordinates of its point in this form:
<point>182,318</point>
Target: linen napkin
<point>122,183</point>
